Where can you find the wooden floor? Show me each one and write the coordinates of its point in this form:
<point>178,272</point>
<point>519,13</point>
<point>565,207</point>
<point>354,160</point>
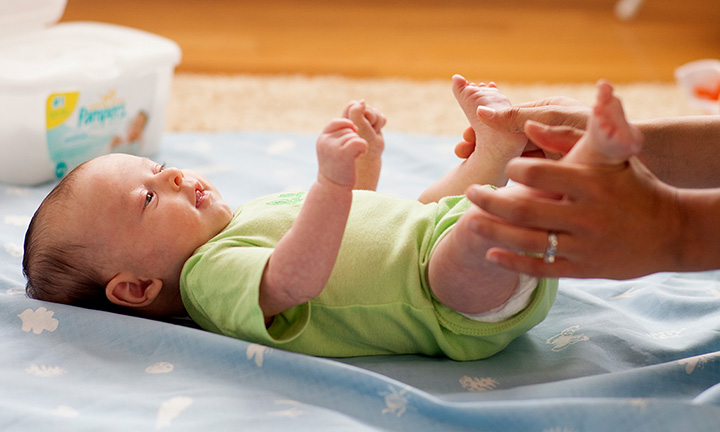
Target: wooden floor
<point>518,41</point>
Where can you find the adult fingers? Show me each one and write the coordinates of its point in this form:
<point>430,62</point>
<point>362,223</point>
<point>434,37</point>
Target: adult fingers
<point>546,175</point>
<point>511,237</point>
<point>523,249</point>
<point>521,207</point>
<point>534,266</point>
<point>464,149</point>
<point>575,182</point>
<point>551,111</point>
<point>554,139</point>
<point>469,135</point>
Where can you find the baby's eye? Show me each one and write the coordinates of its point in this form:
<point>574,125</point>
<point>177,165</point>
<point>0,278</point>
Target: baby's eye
<point>160,168</point>
<point>148,198</point>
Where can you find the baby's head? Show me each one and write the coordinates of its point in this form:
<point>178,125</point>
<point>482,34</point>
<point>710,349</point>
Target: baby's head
<point>115,233</point>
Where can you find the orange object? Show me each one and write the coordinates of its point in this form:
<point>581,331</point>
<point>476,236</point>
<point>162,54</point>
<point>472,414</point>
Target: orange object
<point>708,93</point>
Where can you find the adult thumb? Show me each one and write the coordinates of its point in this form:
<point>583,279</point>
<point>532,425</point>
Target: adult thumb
<point>553,139</point>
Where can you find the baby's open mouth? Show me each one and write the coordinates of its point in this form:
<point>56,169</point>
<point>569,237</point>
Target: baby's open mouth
<point>199,195</point>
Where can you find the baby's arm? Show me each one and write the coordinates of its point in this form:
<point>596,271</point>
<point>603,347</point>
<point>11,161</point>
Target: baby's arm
<point>303,259</point>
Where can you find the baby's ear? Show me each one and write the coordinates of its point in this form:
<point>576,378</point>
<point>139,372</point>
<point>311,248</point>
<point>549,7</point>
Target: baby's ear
<point>128,290</point>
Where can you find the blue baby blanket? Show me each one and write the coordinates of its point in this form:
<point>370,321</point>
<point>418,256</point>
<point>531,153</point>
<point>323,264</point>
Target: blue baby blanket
<point>637,355</point>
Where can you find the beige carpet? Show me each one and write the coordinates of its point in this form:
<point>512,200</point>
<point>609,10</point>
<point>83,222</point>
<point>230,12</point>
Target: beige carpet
<point>305,104</point>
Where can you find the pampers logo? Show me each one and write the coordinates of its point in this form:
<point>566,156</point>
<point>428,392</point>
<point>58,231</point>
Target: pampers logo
<point>109,109</point>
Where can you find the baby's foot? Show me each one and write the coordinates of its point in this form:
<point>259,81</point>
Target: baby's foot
<point>503,145</point>
<point>609,139</point>
<point>617,138</point>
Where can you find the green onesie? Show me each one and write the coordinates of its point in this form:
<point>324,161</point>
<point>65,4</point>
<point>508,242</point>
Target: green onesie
<point>377,300</point>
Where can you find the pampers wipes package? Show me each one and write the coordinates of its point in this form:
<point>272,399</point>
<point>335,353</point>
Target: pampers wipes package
<point>72,91</point>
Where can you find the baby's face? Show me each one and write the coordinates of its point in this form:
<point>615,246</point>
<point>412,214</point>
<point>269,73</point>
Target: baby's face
<point>144,218</point>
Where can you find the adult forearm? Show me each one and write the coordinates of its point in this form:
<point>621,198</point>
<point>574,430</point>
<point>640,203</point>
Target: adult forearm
<point>698,242</point>
<point>683,151</point>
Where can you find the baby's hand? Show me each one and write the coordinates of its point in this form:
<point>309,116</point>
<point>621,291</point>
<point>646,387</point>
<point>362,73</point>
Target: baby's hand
<point>338,146</point>
<point>369,122</point>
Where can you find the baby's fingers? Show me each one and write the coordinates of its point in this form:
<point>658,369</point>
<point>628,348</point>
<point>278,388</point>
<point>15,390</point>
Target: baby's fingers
<point>376,118</point>
<point>338,124</point>
<point>357,114</point>
<point>351,144</point>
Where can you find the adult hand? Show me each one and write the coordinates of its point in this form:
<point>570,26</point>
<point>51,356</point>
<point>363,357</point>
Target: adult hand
<point>613,222</point>
<point>556,111</point>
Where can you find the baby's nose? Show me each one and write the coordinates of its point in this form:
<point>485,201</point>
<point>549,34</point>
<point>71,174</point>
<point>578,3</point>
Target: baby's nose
<point>176,176</point>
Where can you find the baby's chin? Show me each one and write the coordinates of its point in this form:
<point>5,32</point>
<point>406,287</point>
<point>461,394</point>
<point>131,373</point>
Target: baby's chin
<point>228,213</point>
<point>223,221</point>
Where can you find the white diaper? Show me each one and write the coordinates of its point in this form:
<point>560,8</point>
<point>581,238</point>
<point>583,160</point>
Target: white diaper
<point>519,301</point>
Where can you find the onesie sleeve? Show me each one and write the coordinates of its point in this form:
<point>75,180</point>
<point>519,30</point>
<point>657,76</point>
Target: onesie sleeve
<point>220,290</point>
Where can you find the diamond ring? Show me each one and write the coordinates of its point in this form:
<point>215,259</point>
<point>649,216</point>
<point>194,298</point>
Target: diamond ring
<point>551,250</point>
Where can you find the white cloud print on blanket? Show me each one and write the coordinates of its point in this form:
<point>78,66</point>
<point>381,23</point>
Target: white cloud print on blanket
<point>41,320</point>
<point>38,320</point>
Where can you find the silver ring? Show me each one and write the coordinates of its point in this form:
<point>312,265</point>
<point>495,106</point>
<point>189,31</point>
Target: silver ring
<point>551,250</point>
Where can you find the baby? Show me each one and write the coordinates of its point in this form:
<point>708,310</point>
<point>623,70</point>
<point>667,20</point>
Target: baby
<point>332,272</point>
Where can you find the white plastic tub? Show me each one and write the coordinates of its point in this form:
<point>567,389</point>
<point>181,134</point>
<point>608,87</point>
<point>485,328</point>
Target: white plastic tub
<point>73,91</point>
<point>700,81</point>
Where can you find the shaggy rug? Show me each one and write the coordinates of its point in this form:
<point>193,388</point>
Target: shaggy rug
<point>305,104</point>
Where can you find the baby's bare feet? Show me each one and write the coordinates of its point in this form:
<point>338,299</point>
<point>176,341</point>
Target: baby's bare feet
<point>621,139</point>
<point>609,139</point>
<point>490,142</point>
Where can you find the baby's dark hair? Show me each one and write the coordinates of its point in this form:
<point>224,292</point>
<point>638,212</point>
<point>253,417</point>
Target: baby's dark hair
<point>57,269</point>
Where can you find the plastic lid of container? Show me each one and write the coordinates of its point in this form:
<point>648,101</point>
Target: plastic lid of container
<point>80,52</point>
<point>22,16</point>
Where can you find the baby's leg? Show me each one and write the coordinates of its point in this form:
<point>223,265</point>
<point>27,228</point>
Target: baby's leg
<point>461,278</point>
<point>369,122</point>
<point>609,139</point>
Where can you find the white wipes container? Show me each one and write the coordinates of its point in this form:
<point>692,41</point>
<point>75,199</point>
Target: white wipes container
<point>72,91</point>
<point>700,81</point>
